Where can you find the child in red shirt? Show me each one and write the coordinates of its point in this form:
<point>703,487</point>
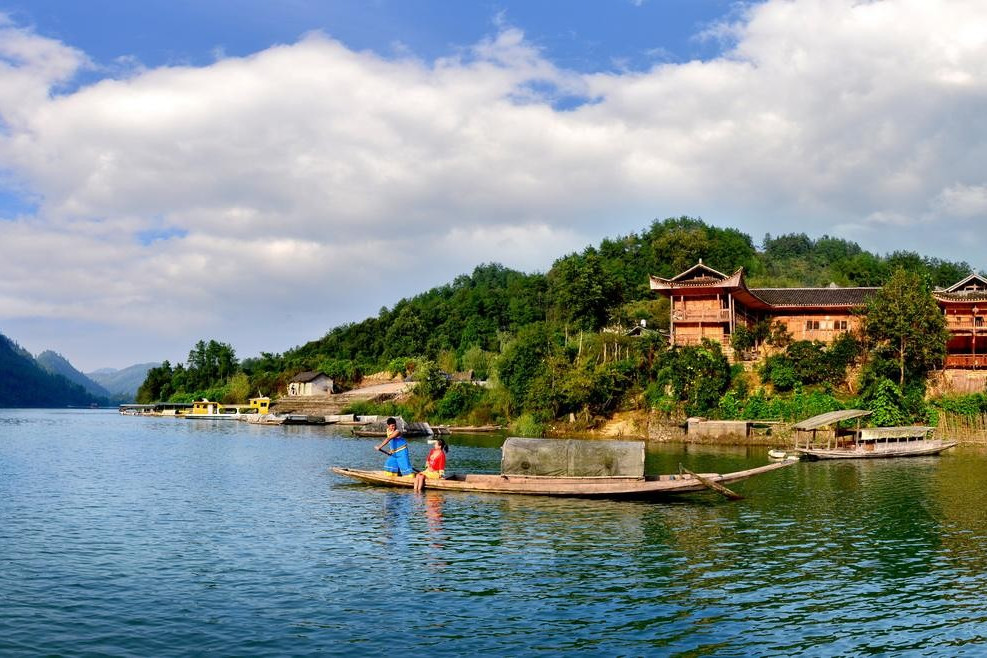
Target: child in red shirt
<point>435,464</point>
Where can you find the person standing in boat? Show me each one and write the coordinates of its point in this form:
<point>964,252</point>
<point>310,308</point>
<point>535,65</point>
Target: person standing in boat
<point>435,464</point>
<point>398,460</point>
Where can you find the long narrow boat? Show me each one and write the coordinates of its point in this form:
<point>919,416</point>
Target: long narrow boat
<point>933,447</point>
<point>864,442</point>
<point>600,487</point>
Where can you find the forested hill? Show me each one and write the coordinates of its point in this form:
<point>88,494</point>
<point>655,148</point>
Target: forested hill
<point>467,322</point>
<point>124,383</point>
<point>57,364</point>
<point>23,383</point>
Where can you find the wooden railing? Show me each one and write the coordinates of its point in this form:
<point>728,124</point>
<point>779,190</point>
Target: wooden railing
<point>964,322</point>
<point>966,360</point>
<point>702,315</point>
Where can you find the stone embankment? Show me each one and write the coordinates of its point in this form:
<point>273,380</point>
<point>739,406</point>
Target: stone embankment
<point>326,405</point>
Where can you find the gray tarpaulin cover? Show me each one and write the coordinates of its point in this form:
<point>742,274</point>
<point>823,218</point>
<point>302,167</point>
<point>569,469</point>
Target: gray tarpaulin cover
<point>572,458</point>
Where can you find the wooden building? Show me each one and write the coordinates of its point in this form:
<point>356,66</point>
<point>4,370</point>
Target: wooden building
<point>709,304</point>
<point>965,305</point>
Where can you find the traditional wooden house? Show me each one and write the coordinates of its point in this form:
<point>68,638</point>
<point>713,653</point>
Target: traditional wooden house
<point>709,304</point>
<point>310,383</point>
<point>965,305</point>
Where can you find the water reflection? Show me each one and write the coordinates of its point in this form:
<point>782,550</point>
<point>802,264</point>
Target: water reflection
<point>435,562</point>
<point>236,538</point>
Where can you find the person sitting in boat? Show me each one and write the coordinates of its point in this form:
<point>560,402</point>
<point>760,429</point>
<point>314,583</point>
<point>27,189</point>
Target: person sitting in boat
<point>435,464</point>
<point>398,460</point>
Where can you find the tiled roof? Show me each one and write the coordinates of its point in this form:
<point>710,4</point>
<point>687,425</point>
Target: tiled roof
<point>972,283</point>
<point>960,296</point>
<point>710,280</point>
<point>814,296</point>
<point>700,280</point>
<point>698,272</point>
<point>306,376</point>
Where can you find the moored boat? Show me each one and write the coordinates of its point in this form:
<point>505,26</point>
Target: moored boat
<point>378,429</point>
<point>821,437</point>
<point>207,410</point>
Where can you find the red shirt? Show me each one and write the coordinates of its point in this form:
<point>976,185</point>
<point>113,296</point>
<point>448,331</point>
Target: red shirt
<point>436,460</point>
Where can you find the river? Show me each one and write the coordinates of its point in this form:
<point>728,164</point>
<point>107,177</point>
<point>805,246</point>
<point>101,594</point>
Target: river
<point>127,536</point>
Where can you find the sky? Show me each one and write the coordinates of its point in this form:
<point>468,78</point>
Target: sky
<point>258,173</point>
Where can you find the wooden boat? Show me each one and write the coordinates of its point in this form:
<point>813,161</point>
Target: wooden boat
<point>408,430</point>
<point>588,487</point>
<point>864,442</point>
<point>377,434</point>
<point>472,429</point>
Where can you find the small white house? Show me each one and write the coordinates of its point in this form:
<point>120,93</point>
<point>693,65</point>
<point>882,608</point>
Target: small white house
<point>310,383</point>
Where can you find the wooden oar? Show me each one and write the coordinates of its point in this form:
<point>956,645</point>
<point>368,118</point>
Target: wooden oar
<point>715,486</point>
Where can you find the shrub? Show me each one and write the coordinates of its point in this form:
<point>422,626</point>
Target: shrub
<point>458,400</point>
<point>887,404</point>
<point>432,382</point>
<point>527,425</point>
<point>697,376</point>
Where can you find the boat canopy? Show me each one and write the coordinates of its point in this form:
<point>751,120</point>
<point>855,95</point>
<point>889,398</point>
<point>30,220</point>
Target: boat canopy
<point>905,432</point>
<point>572,458</point>
<point>830,418</point>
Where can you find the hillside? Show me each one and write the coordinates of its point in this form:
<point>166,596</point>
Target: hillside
<point>24,383</point>
<point>558,344</point>
<point>56,364</point>
<point>122,383</point>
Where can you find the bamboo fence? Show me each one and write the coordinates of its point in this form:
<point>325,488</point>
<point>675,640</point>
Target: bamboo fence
<point>963,428</point>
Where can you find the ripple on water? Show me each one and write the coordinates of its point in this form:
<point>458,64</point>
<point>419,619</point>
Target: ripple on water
<point>126,536</point>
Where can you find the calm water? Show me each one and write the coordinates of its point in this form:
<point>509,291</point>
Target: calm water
<point>141,536</point>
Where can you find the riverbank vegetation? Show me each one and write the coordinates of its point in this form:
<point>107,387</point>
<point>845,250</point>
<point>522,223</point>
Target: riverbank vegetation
<point>589,338</point>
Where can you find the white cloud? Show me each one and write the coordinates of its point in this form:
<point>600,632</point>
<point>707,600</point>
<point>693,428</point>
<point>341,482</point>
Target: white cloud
<point>309,184</point>
<point>964,201</point>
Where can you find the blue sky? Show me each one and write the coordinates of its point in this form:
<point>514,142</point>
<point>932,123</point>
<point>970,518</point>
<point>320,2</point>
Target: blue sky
<point>584,36</point>
<point>260,172</point>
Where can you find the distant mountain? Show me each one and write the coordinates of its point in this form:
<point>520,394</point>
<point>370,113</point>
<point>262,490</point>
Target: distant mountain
<point>122,383</point>
<point>57,364</point>
<point>24,383</point>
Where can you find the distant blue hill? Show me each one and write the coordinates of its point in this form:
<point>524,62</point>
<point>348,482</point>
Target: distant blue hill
<point>25,383</point>
<point>57,364</point>
<point>122,384</point>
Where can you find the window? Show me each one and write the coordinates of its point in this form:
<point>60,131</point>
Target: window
<point>978,321</point>
<point>841,325</point>
<point>811,325</point>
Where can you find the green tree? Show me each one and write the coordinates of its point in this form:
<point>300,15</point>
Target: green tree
<point>406,335</point>
<point>523,360</point>
<point>582,291</point>
<point>887,404</point>
<point>432,382</point>
<point>904,322</point>
<point>698,375</point>
<point>155,380</point>
<point>238,391</point>
<point>477,360</point>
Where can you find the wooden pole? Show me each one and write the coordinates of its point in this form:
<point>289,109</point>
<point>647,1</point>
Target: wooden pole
<point>715,486</point>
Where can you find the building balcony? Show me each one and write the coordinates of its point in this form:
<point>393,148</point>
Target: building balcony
<point>970,361</point>
<point>965,324</point>
<point>701,315</point>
